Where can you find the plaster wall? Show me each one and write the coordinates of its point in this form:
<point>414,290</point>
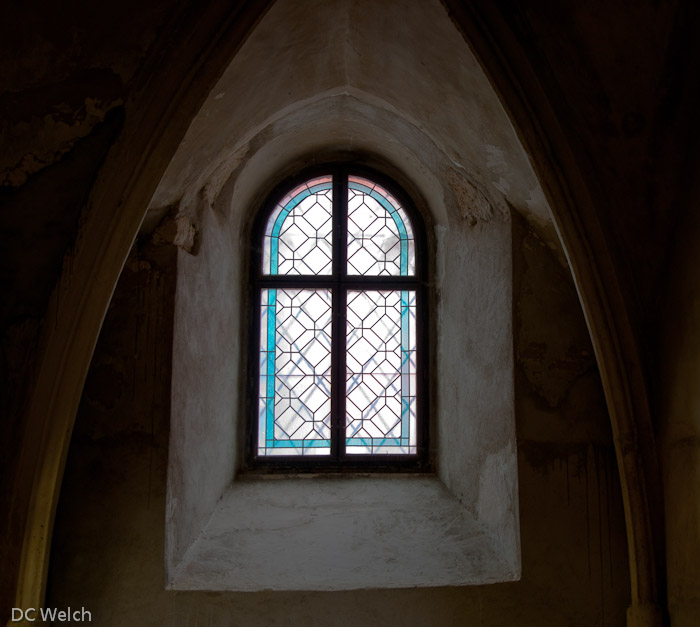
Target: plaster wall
<point>338,532</point>
<point>109,534</point>
<point>472,405</point>
<point>382,53</point>
<point>207,354</point>
<point>469,251</point>
<point>475,421</point>
<point>343,89</point>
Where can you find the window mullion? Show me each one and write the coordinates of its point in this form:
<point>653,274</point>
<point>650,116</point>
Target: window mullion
<point>342,340</point>
<point>341,287</point>
<point>338,296</point>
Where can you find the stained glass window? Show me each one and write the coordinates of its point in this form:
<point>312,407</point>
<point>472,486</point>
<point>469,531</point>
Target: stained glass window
<point>339,344</point>
<point>381,372</point>
<point>299,233</point>
<point>380,238</point>
<point>295,372</point>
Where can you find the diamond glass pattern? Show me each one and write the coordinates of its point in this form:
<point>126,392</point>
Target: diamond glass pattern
<point>296,321</point>
<point>295,372</point>
<point>299,233</point>
<point>381,372</point>
<point>380,239</point>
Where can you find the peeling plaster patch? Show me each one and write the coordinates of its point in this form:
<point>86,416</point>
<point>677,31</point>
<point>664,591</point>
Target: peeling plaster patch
<point>178,230</point>
<point>222,172</point>
<point>502,186</point>
<point>44,120</point>
<point>473,205</point>
<point>220,95</point>
<point>496,160</point>
<point>57,133</point>
<point>206,189</point>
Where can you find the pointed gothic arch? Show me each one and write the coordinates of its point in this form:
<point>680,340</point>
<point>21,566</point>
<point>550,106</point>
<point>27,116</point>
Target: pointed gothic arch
<point>154,125</point>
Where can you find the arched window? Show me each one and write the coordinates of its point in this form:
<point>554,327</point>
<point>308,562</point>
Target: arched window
<point>339,360</point>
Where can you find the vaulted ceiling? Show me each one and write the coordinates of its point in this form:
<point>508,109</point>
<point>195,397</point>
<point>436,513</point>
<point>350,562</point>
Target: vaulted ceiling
<point>390,79</point>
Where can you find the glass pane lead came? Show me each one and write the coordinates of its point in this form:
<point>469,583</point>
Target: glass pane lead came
<point>295,372</point>
<point>381,372</point>
<point>380,239</point>
<point>299,233</point>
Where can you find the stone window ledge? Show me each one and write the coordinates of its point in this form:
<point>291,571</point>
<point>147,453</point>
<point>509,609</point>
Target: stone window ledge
<point>340,533</point>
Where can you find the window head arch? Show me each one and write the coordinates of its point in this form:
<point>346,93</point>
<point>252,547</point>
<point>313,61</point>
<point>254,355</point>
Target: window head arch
<point>299,232</point>
<point>339,325</point>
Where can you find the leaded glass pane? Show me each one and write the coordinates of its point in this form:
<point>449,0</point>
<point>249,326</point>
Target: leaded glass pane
<point>381,372</point>
<point>295,372</point>
<point>380,238</point>
<point>299,233</point>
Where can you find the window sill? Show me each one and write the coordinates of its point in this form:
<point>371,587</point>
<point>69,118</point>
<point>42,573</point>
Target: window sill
<point>341,533</point>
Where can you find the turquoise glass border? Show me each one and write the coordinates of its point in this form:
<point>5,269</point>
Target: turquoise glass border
<point>394,212</point>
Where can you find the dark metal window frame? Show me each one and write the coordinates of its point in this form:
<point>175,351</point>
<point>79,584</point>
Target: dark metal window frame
<point>339,283</point>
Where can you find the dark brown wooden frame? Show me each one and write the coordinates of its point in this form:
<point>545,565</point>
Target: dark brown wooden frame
<point>339,283</point>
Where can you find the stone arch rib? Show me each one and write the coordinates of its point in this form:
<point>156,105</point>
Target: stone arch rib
<point>533,105</point>
<point>190,55</point>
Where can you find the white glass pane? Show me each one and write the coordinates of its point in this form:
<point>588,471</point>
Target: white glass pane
<point>381,372</point>
<point>299,233</point>
<point>380,236</point>
<point>295,372</point>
